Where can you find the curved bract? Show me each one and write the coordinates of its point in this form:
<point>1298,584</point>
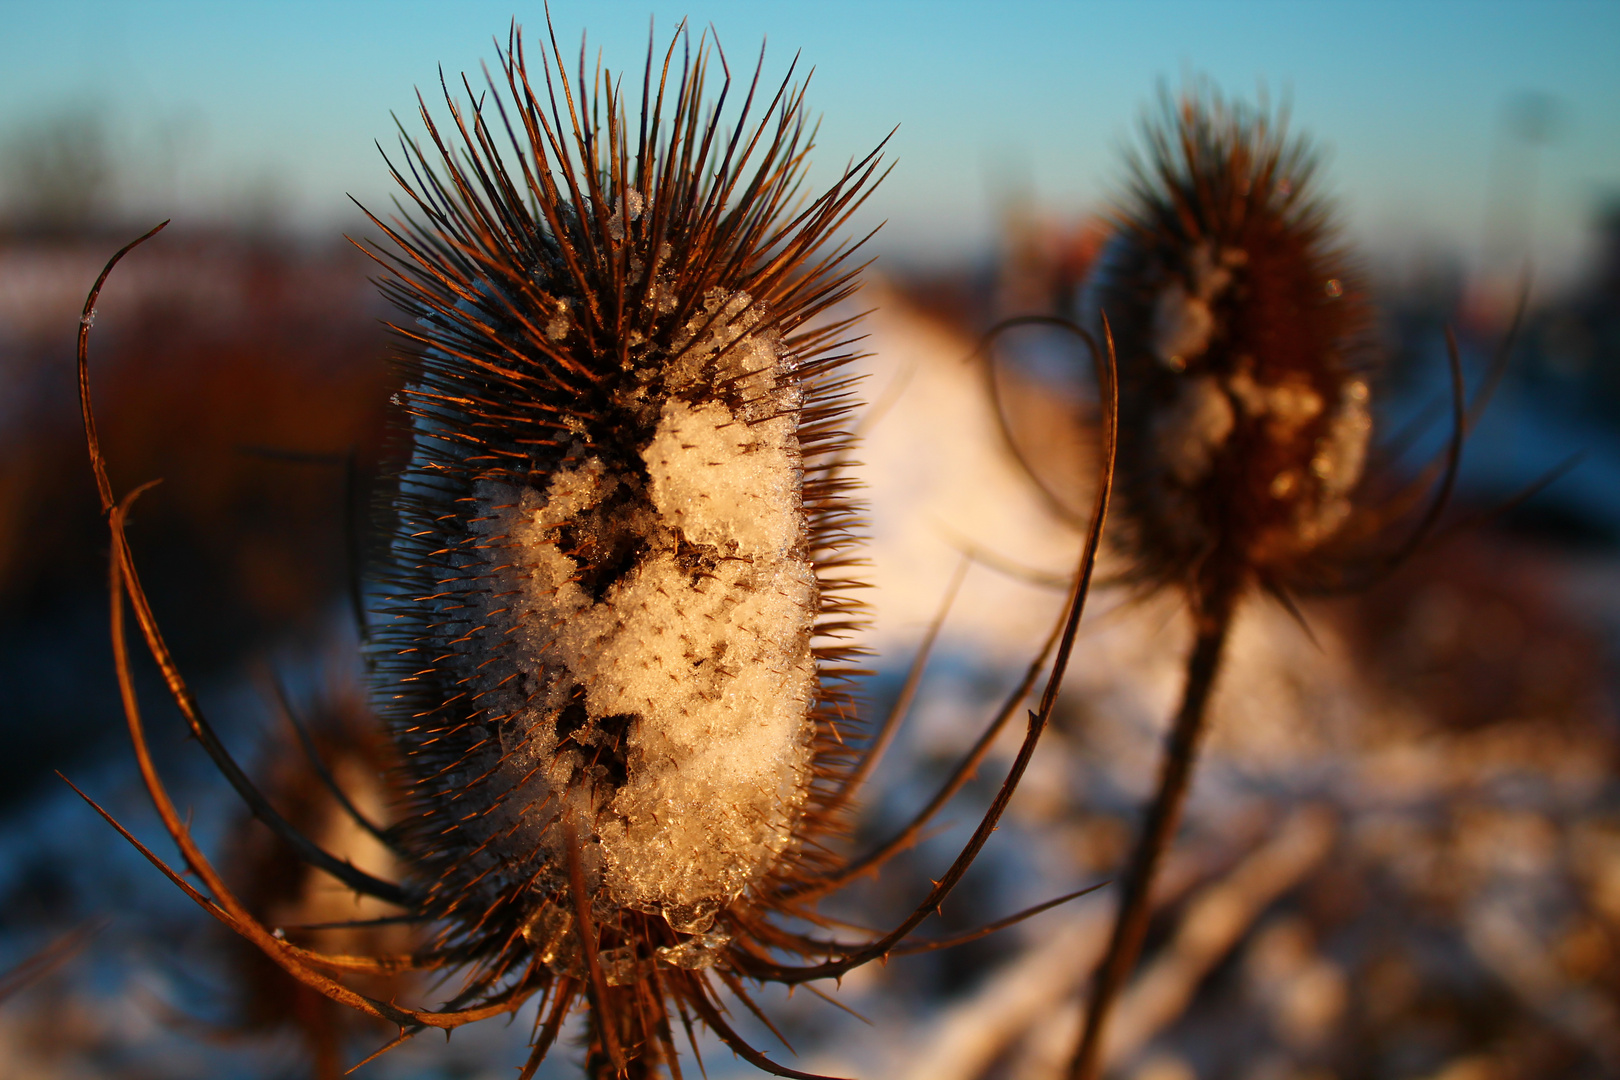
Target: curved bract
<point>331,771</point>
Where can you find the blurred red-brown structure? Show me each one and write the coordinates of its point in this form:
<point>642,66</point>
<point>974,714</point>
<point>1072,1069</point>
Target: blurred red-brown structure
<point>244,373</point>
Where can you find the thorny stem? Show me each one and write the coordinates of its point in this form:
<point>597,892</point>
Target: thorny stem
<point>1135,902</point>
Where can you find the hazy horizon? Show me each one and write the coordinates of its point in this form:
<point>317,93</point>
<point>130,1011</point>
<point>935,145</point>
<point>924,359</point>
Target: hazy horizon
<point>1447,130</point>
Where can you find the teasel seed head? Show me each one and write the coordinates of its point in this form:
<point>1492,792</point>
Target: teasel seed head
<point>1243,346</point>
<point>613,656</point>
<point>1242,341</point>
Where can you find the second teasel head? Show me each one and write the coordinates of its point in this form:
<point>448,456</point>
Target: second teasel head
<point>1242,339</point>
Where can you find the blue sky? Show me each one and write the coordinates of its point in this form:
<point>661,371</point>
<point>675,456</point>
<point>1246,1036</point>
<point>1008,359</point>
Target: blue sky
<point>221,106</point>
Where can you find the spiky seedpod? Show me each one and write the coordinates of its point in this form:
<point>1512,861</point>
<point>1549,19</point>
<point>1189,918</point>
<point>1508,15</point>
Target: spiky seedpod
<point>1242,342</point>
<point>617,567</point>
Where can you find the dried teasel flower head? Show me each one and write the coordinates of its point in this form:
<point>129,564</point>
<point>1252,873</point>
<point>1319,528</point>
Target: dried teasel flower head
<point>1243,342</point>
<point>612,658</point>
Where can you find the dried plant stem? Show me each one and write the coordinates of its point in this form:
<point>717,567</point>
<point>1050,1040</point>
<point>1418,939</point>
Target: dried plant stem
<point>599,1036</point>
<point>324,1051</point>
<point>1213,621</point>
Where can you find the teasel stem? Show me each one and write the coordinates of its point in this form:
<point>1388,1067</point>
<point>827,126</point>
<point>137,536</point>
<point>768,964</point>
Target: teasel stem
<point>1212,620</point>
<point>645,1064</point>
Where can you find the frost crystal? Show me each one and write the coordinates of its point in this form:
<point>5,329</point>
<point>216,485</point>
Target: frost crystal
<point>1183,319</point>
<point>1194,428</point>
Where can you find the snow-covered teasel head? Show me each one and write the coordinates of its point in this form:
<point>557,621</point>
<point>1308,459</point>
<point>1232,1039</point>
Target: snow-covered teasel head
<point>648,609</point>
<point>615,647</point>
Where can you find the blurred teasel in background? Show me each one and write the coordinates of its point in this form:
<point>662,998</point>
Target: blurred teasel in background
<point>1244,347</point>
<point>1244,344</point>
